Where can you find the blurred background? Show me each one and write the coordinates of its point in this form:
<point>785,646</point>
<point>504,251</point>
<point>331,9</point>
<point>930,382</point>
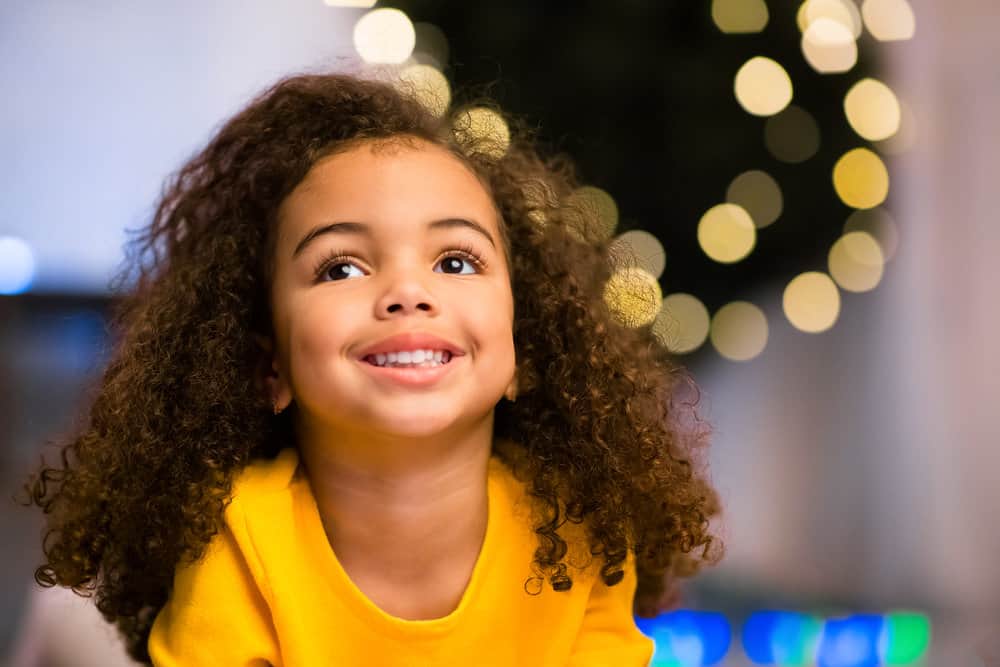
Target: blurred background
<point>809,190</point>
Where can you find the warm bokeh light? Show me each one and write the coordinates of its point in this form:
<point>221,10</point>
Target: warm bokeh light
<point>889,20</point>
<point>763,87</point>
<point>428,85</point>
<point>844,12</point>
<point>639,248</point>
<point>431,46</point>
<point>739,331</point>
<point>861,179</point>
<point>906,137</point>
<point>541,198</point>
<point>589,206</point>
<point>384,36</point>
<point>682,324</point>
<point>881,226</point>
<point>633,296</point>
<point>811,302</point>
<point>739,16</point>
<point>483,129</point>
<point>757,193</point>
<point>829,46</point>
<point>792,136</point>
<point>726,233</point>
<point>872,110</point>
<point>856,262</point>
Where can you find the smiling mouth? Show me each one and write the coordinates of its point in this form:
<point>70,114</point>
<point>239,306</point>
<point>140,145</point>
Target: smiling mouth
<point>382,361</point>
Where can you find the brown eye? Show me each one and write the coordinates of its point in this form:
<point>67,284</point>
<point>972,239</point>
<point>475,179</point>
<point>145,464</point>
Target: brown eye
<point>453,264</point>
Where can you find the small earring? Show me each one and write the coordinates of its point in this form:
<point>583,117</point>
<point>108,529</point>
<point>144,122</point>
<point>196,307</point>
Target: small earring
<point>274,406</point>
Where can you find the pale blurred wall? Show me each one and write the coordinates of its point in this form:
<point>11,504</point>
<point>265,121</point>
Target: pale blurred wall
<point>864,462</point>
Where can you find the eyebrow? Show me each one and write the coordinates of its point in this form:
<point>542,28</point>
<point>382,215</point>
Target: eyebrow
<point>364,229</point>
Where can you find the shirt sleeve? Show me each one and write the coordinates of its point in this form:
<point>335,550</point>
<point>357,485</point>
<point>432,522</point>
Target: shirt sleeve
<point>215,614</point>
<point>609,634</point>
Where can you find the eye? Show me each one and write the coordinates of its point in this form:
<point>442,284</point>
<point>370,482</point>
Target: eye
<point>341,270</point>
<point>467,253</point>
<point>334,260</point>
<point>454,260</point>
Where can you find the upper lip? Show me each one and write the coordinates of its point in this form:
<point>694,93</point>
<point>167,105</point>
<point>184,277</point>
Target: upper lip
<point>411,340</point>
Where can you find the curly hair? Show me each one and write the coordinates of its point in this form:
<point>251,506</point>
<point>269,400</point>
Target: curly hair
<point>599,434</point>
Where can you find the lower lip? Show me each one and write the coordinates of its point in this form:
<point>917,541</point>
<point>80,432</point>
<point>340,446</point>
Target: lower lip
<point>412,377</point>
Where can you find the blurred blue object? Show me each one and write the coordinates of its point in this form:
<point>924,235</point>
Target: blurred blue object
<point>851,642</point>
<point>686,638</point>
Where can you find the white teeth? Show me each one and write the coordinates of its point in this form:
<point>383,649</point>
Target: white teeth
<point>422,358</point>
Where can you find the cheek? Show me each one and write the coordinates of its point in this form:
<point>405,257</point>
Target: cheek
<point>321,329</point>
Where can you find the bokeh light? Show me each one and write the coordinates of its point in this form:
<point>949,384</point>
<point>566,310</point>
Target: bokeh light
<point>588,206</point>
<point>889,20</point>
<point>879,224</point>
<point>739,16</point>
<point>757,193</point>
<point>763,87</point>
<point>905,137</point>
<point>872,110</point>
<point>811,302</point>
<point>726,233</point>
<point>829,46</point>
<point>850,642</point>
<point>633,296</point>
<point>384,36</point>
<point>905,638</point>
<point>687,638</point>
<point>739,331</point>
<point>844,12</point>
<point>483,130</point>
<point>856,262</point>
<point>792,136</point>
<point>773,637</point>
<point>639,248</point>
<point>682,324</point>
<point>428,85</point>
<point>431,46</point>
<point>17,265</point>
<point>861,179</point>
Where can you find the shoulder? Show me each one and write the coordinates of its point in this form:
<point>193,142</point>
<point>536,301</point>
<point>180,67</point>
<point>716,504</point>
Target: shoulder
<point>264,476</point>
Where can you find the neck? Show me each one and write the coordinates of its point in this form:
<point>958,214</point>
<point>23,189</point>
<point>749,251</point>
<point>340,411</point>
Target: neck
<point>400,506</point>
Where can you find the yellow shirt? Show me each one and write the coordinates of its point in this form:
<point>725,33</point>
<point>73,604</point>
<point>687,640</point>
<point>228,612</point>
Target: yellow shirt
<point>270,589</point>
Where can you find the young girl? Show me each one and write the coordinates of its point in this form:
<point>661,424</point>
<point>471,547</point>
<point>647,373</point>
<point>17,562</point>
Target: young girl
<point>369,407</point>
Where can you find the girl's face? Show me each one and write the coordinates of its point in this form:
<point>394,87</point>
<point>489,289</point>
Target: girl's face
<point>393,233</point>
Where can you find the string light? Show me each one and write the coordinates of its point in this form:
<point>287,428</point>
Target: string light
<point>759,194</point>
<point>739,331</point>
<point>763,87</point>
<point>682,324</point>
<point>872,110</point>
<point>726,233</point>
<point>811,302</point>
<point>740,16</point>
<point>861,179</point>
<point>384,36</point>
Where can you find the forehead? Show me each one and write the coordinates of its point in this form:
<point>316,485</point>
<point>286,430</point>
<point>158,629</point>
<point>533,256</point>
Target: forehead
<point>390,185</point>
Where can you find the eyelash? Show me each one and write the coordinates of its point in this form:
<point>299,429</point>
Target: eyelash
<point>335,256</point>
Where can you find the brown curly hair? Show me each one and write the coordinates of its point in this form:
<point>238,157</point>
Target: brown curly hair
<point>600,433</point>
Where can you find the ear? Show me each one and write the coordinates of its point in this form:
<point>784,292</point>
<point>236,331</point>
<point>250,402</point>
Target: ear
<point>511,392</point>
<point>270,379</point>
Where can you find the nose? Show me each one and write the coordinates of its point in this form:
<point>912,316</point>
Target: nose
<point>406,295</point>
